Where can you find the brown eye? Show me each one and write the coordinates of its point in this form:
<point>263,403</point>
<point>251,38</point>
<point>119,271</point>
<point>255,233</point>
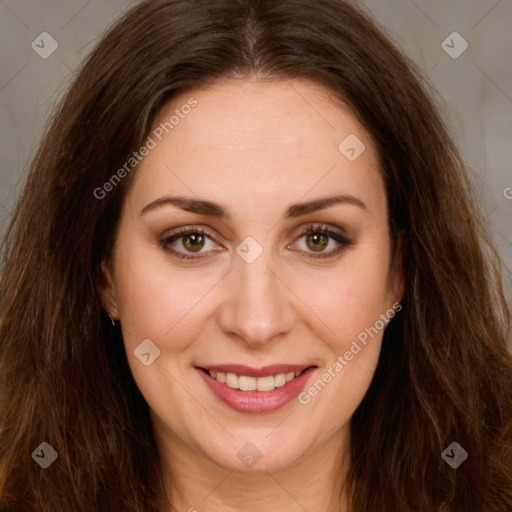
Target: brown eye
<point>189,244</point>
<point>193,242</point>
<point>317,241</point>
<point>321,242</point>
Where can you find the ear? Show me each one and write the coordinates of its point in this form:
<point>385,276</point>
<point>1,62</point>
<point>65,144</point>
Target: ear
<point>106,290</point>
<point>397,277</point>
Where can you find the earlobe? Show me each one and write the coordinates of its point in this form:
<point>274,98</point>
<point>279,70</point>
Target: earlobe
<point>106,290</point>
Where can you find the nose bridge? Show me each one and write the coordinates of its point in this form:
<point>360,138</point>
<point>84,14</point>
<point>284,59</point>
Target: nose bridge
<point>256,306</point>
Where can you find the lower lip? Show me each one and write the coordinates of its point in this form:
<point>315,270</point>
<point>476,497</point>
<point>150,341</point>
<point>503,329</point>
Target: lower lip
<point>257,401</point>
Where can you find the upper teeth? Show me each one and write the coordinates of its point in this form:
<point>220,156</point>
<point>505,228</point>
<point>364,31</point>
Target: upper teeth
<point>245,383</point>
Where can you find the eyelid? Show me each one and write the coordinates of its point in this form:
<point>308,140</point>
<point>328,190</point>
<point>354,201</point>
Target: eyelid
<point>185,230</point>
<point>323,228</point>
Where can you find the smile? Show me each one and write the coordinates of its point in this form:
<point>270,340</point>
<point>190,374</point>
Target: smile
<point>250,390</point>
<point>247,383</point>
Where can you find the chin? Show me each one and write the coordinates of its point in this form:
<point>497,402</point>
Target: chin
<point>253,454</point>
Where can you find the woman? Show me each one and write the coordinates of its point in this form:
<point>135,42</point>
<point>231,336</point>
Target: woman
<point>305,312</point>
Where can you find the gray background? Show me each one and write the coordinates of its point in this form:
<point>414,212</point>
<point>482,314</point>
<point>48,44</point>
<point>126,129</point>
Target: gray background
<point>474,91</point>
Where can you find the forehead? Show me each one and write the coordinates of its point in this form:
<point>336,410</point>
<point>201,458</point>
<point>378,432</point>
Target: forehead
<point>256,141</point>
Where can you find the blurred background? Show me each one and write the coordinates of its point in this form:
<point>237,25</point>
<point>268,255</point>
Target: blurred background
<point>464,48</point>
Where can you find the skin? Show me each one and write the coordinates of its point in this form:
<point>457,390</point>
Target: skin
<point>254,147</point>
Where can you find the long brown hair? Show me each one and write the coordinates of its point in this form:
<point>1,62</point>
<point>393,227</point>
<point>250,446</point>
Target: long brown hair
<point>444,374</point>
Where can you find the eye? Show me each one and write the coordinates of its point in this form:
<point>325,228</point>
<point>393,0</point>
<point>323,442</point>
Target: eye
<point>321,242</point>
<point>188,242</point>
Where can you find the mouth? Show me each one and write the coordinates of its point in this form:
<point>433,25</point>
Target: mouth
<point>246,389</point>
<point>251,383</point>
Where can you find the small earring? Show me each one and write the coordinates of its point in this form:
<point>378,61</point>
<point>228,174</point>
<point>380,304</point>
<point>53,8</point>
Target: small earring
<point>111,319</point>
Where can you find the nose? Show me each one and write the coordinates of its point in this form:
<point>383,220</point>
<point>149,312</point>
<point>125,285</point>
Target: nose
<point>258,307</point>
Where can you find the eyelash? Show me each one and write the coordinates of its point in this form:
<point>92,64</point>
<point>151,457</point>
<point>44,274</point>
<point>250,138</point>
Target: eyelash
<point>341,239</point>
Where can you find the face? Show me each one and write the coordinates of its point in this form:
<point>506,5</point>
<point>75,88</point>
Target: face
<point>252,247</point>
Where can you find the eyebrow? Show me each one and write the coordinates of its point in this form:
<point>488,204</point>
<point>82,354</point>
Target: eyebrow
<point>209,208</point>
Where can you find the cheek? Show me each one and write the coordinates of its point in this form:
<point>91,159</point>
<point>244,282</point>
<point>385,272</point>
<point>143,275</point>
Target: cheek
<point>156,301</point>
<point>351,301</point>
<point>351,305</point>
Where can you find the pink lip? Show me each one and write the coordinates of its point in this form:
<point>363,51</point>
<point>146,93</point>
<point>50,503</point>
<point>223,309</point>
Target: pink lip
<point>257,401</point>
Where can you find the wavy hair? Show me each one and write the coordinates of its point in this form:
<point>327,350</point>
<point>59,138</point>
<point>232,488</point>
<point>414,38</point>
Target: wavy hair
<point>444,374</point>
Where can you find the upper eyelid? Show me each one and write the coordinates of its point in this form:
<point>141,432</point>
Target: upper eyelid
<point>183,231</point>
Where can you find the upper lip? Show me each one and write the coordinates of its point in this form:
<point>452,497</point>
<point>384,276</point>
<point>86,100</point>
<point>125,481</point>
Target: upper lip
<point>240,369</point>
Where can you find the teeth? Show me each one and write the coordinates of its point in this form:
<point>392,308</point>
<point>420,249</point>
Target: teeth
<point>280,380</point>
<point>231,380</point>
<point>265,383</point>
<point>245,383</point>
